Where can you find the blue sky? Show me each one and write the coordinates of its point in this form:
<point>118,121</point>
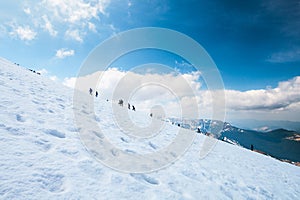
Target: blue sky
<point>255,44</point>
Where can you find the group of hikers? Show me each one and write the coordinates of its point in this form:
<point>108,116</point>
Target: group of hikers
<point>120,101</point>
<point>91,92</point>
<point>129,106</point>
<point>38,73</point>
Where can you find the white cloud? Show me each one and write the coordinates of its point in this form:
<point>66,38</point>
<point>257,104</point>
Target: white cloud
<point>281,97</point>
<point>74,34</point>
<point>280,103</point>
<point>24,33</point>
<point>62,53</point>
<point>48,26</point>
<point>75,11</point>
<point>72,18</point>
<point>69,10</point>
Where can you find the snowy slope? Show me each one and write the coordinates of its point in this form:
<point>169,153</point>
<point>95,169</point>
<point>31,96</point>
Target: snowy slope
<point>42,156</point>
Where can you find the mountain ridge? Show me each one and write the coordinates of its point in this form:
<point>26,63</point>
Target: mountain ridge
<point>280,143</point>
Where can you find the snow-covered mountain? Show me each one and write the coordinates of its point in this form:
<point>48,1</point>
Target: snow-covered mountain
<point>279,143</point>
<point>42,156</point>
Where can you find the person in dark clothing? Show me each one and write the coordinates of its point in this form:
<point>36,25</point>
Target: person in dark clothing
<point>91,91</point>
<point>198,130</point>
<point>96,94</point>
<point>121,102</point>
<point>133,108</point>
<point>129,106</point>
<point>151,115</point>
<point>252,147</point>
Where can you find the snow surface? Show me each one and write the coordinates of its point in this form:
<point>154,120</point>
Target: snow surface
<point>42,156</point>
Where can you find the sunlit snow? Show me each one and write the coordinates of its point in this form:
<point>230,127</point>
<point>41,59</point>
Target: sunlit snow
<point>42,156</point>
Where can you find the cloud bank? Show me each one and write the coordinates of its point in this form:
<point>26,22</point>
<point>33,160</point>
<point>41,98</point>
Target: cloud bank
<point>283,96</point>
<point>168,91</point>
<point>73,19</point>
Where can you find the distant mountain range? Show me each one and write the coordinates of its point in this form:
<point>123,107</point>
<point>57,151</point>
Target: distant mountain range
<point>279,143</point>
<point>266,125</point>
